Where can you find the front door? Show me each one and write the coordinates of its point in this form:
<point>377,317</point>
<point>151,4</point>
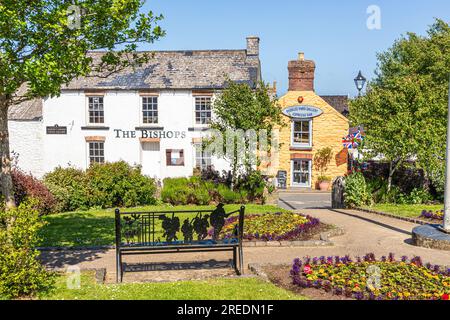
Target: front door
<point>301,173</point>
<point>151,159</point>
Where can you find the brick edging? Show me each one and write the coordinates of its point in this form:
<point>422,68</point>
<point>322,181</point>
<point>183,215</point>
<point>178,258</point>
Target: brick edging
<point>390,215</point>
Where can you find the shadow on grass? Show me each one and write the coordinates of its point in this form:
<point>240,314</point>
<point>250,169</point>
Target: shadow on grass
<point>63,258</point>
<point>78,229</point>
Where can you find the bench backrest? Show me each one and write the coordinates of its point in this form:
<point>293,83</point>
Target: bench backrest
<point>179,227</point>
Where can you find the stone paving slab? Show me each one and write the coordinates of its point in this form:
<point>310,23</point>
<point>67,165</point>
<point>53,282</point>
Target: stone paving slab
<point>365,233</point>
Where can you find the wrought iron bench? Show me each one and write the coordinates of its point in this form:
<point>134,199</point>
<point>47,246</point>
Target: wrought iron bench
<point>177,231</point>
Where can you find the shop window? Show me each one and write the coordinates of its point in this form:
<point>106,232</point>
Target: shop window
<point>202,157</point>
<point>150,109</point>
<point>174,157</point>
<point>202,110</point>
<point>301,173</point>
<point>96,111</point>
<point>301,133</point>
<point>96,152</point>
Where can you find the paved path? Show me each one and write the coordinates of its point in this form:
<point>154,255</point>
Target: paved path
<point>292,200</point>
<point>364,233</point>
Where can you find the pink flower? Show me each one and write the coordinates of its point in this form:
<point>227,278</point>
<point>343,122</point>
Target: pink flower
<point>307,269</point>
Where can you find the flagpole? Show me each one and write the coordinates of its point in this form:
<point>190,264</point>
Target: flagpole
<point>446,225</point>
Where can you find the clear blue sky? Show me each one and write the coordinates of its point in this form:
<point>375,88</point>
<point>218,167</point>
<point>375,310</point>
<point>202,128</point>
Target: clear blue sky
<point>331,32</point>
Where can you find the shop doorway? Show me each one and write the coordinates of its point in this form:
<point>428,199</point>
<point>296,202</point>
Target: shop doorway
<point>301,173</point>
<point>151,159</point>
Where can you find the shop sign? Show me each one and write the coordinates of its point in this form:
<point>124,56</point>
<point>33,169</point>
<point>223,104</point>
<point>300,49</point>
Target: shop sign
<point>302,112</point>
<point>161,134</point>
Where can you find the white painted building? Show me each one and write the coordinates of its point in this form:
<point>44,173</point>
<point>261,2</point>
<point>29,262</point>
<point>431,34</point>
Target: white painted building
<point>153,116</point>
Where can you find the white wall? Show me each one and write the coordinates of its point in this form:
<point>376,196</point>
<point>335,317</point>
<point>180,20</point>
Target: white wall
<point>176,111</point>
<point>26,139</point>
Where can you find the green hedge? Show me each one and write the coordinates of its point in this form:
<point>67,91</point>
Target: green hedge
<point>193,190</point>
<point>115,184</point>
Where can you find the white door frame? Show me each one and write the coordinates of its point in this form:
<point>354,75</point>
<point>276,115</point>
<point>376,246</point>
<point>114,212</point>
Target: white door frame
<point>309,174</point>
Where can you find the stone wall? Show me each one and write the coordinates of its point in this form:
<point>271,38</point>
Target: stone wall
<point>327,131</point>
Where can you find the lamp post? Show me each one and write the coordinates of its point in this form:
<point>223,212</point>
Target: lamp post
<point>360,81</point>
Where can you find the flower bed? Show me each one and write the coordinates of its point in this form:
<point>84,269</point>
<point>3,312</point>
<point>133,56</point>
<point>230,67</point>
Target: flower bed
<point>273,227</point>
<point>433,215</point>
<point>369,279</point>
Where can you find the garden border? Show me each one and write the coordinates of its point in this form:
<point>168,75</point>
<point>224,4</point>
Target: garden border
<point>390,215</point>
<point>324,241</point>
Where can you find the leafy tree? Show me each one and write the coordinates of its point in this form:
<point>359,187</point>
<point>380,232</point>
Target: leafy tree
<point>44,44</point>
<point>240,108</point>
<point>404,113</point>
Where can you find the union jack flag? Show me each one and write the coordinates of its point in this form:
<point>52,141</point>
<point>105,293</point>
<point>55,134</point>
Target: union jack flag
<point>353,140</point>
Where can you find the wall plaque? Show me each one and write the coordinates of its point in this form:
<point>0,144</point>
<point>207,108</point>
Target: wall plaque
<point>56,130</point>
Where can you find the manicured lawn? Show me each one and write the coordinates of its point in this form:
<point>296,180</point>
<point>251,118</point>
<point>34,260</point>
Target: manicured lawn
<point>96,227</point>
<point>405,210</point>
<point>213,289</point>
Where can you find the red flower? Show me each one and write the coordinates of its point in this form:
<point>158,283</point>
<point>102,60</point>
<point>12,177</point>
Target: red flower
<point>445,296</point>
<point>307,269</point>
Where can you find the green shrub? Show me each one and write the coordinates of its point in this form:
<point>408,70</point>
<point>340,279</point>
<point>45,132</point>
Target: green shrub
<point>21,274</point>
<point>117,184</point>
<point>176,191</point>
<point>182,191</point>
<point>254,183</point>
<point>419,196</point>
<point>201,196</point>
<point>227,195</point>
<point>69,187</point>
<point>356,193</point>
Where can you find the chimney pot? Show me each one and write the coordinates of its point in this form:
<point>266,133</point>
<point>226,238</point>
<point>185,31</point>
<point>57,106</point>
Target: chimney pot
<point>252,46</point>
<point>301,74</point>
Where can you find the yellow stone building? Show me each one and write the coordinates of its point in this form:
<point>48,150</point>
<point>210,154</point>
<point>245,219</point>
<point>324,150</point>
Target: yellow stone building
<point>311,124</point>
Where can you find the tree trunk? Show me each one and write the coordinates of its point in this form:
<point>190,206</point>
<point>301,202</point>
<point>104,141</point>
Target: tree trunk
<point>5,179</point>
<point>393,165</point>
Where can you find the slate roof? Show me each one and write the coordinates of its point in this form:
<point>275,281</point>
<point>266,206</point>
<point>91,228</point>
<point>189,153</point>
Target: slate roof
<point>340,103</point>
<point>198,69</point>
<point>28,110</point>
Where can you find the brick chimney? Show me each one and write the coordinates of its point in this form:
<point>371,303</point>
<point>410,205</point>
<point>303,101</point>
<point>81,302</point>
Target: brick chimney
<point>252,46</point>
<point>301,74</point>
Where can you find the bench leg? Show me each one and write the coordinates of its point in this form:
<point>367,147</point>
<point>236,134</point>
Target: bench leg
<point>235,264</point>
<point>118,267</point>
<point>241,261</point>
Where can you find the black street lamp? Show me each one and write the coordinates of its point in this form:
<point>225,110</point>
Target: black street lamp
<point>360,81</point>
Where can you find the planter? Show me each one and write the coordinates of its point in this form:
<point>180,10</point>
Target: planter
<point>324,185</point>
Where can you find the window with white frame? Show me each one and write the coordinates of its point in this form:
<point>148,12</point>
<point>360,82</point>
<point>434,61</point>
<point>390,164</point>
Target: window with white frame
<point>96,152</point>
<point>202,110</point>
<point>150,109</point>
<point>301,133</point>
<point>202,157</point>
<point>96,111</point>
